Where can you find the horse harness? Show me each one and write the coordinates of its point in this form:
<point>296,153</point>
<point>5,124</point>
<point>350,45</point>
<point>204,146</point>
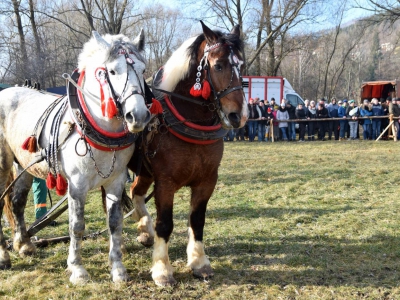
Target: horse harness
<point>171,121</point>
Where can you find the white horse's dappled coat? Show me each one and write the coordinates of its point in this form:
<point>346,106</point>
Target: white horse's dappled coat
<point>21,108</point>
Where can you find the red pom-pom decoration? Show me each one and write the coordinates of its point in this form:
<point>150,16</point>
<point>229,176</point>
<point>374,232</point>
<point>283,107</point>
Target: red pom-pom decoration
<point>32,145</point>
<point>194,92</point>
<point>61,184</point>
<point>25,144</point>
<point>206,90</point>
<point>111,108</point>
<point>156,107</point>
<point>50,181</point>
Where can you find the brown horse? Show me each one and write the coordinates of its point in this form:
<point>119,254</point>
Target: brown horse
<point>183,146</point>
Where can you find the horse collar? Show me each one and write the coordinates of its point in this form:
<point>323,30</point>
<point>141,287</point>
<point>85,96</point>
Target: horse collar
<point>93,134</point>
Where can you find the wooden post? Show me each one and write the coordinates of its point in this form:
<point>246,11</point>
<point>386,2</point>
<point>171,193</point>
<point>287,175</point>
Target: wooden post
<point>390,124</point>
<point>394,128</point>
<point>271,128</point>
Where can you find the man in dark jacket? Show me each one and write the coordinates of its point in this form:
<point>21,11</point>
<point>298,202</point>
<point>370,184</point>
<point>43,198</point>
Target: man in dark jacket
<point>322,113</point>
<point>254,116</point>
<point>333,109</point>
<point>301,114</point>
<point>292,116</point>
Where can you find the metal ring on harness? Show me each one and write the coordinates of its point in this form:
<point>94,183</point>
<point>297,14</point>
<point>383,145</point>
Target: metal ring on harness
<point>163,129</point>
<point>76,146</point>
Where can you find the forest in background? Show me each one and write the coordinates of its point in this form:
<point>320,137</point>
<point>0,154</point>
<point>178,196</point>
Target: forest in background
<point>310,42</point>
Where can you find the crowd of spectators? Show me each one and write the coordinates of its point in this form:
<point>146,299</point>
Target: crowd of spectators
<point>261,112</point>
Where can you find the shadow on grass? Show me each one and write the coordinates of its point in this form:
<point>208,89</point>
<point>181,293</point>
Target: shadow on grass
<point>305,261</point>
<point>299,214</point>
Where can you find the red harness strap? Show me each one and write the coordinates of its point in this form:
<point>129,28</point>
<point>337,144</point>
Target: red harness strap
<point>187,123</point>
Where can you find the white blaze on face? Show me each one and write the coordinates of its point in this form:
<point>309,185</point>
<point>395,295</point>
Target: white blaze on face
<point>234,60</point>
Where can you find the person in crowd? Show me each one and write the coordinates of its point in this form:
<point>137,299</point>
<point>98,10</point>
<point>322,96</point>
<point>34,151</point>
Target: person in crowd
<point>282,115</point>
<point>239,134</point>
<point>376,123</point>
<point>292,116</point>
<point>352,114</point>
<point>398,121</point>
<point>385,121</point>
<point>394,110</point>
<point>343,123</point>
<point>311,114</point>
<point>268,117</point>
<point>322,113</point>
<point>306,104</point>
<point>230,136</point>
<point>254,116</point>
<point>301,115</point>
<point>273,105</point>
<point>276,125</point>
<point>333,126</point>
<point>366,111</point>
<point>262,122</point>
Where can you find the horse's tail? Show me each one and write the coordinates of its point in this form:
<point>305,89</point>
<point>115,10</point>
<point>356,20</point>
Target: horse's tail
<point>126,201</point>
<point>7,202</point>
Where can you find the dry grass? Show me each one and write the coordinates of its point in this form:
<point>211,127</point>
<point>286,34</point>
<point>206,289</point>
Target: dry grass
<point>286,221</point>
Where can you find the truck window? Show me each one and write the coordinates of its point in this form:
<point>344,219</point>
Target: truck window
<point>294,99</point>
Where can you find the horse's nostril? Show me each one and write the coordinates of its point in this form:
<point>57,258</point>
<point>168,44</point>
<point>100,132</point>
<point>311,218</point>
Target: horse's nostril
<point>129,117</point>
<point>234,119</point>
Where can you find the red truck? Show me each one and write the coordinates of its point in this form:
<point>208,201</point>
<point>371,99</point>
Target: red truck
<point>380,89</point>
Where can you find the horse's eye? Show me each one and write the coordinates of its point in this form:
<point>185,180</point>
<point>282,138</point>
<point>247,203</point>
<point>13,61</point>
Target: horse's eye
<point>217,67</point>
<point>112,72</point>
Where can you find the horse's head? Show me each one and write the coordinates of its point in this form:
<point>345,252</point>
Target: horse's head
<point>114,71</point>
<point>223,64</point>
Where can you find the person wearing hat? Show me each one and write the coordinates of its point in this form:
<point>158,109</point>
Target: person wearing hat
<point>269,116</point>
<point>343,123</point>
<point>254,116</point>
<point>366,111</point>
<point>333,126</point>
<point>376,123</point>
<point>394,109</point>
<point>352,114</point>
<point>311,114</point>
<point>322,113</point>
<point>301,115</point>
<point>292,125</point>
<point>261,122</point>
<point>283,115</point>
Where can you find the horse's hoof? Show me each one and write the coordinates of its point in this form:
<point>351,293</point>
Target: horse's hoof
<point>79,276</point>
<point>164,281</point>
<point>205,272</point>
<point>119,274</point>
<point>145,239</point>
<point>5,261</point>
<point>27,249</point>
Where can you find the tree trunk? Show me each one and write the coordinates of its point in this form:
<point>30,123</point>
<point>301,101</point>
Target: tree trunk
<point>22,66</point>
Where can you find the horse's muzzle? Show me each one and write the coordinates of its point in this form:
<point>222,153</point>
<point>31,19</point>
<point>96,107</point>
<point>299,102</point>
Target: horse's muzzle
<point>137,121</point>
<point>234,119</point>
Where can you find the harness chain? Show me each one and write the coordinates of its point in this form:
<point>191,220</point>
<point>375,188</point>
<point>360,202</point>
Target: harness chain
<point>52,148</point>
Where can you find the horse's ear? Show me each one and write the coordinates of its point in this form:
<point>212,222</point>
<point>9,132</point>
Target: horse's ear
<point>139,41</point>
<point>102,42</point>
<point>210,35</point>
<point>236,30</point>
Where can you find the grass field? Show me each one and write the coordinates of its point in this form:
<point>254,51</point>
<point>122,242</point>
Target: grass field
<point>287,221</point>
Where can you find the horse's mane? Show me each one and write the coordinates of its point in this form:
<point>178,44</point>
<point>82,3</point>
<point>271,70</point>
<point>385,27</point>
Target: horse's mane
<point>185,59</point>
<point>92,51</point>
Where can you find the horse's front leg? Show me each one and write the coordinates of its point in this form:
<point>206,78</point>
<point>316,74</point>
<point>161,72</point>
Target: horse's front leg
<point>76,209</point>
<point>145,223</point>
<point>115,221</point>
<point>162,271</point>
<point>197,258</point>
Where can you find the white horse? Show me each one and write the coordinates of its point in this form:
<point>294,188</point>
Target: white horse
<point>88,137</point>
